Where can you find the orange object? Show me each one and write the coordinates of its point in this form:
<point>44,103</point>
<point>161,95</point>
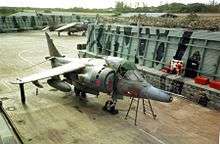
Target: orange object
<point>215,84</point>
<point>201,80</point>
<point>165,69</point>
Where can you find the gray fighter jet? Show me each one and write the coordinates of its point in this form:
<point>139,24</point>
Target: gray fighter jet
<point>111,75</point>
<point>52,27</point>
<point>73,28</point>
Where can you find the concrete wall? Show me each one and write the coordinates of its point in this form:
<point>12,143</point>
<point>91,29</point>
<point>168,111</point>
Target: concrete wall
<point>182,86</point>
<point>126,42</point>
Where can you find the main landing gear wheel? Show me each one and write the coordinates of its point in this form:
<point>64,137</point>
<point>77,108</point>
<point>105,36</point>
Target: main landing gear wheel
<point>110,107</point>
<point>77,92</point>
<point>84,33</point>
<point>69,33</point>
<point>80,94</point>
<point>83,96</point>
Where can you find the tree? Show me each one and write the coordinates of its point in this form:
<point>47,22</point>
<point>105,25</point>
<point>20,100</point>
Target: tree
<point>172,8</point>
<point>122,7</point>
<point>197,8</point>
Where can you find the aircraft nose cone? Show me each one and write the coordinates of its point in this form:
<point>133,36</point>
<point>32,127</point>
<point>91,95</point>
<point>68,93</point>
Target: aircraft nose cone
<point>156,94</point>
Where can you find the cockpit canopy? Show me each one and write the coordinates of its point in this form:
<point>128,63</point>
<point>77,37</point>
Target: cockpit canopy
<point>126,66</point>
<point>126,69</point>
<point>129,71</point>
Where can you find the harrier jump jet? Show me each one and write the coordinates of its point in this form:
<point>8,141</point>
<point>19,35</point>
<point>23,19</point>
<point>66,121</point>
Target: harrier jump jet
<point>73,28</point>
<point>111,75</point>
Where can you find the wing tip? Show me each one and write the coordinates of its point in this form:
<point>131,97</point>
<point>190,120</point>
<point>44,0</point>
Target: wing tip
<point>18,81</point>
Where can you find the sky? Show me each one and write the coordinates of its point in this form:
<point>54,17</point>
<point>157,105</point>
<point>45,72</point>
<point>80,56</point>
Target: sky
<point>89,3</point>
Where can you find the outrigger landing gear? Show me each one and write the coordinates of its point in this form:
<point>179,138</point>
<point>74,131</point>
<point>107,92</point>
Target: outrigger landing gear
<point>110,107</point>
<point>22,93</point>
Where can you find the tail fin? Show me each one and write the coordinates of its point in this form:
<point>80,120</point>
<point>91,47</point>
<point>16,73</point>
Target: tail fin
<point>52,49</point>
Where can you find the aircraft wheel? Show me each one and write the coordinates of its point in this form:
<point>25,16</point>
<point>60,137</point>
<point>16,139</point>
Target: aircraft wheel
<point>109,107</point>
<point>69,33</point>
<point>106,106</point>
<point>77,91</point>
<point>113,110</point>
<point>83,96</point>
<point>84,34</point>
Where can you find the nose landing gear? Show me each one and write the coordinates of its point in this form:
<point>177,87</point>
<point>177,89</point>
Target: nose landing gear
<point>110,107</point>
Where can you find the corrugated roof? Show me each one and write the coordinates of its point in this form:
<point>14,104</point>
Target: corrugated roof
<point>144,14</point>
<point>34,14</point>
<point>24,14</point>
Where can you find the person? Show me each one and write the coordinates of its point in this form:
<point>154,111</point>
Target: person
<point>172,65</point>
<point>179,67</point>
<point>192,65</point>
<point>182,45</point>
<point>176,67</point>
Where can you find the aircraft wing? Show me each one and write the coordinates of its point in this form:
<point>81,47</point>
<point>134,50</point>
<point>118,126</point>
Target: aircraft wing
<point>46,28</point>
<point>51,72</point>
<point>66,26</point>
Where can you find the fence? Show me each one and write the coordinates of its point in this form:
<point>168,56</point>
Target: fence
<point>156,47</point>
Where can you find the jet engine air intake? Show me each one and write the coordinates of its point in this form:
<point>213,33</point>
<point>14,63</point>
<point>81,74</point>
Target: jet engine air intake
<point>101,78</point>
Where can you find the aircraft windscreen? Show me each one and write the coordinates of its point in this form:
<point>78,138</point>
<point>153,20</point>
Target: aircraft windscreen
<point>128,66</point>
